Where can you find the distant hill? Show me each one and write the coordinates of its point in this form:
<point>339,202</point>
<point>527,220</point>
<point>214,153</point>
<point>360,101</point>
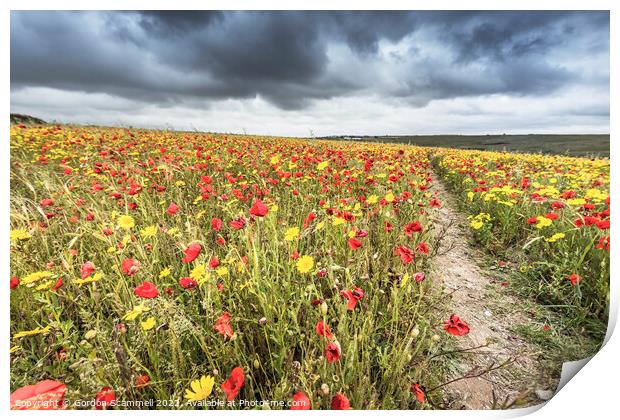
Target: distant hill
<point>25,119</point>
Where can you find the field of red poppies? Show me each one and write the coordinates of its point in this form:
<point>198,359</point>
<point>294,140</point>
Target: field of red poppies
<point>155,269</point>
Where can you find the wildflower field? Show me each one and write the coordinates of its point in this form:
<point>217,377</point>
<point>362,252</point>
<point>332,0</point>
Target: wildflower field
<point>194,270</point>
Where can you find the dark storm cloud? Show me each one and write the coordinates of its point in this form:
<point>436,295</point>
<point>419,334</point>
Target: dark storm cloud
<point>173,57</point>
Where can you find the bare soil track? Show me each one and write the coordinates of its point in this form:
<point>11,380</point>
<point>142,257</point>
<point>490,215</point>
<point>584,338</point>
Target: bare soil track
<point>499,369</point>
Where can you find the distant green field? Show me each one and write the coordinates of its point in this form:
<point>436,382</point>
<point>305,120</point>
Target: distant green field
<point>573,145</point>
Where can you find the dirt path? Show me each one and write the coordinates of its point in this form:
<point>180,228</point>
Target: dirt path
<point>515,374</point>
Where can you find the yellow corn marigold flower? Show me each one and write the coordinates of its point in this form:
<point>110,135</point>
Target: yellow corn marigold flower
<point>34,277</point>
<point>149,231</point>
<point>90,279</point>
<point>543,222</point>
<point>198,272</point>
<point>200,388</point>
<point>372,199</point>
<point>305,264</point>
<point>389,197</point>
<point>36,331</point>
<point>20,235</point>
<point>291,234</point>
<point>476,224</point>
<point>126,222</point>
<point>148,324</point>
<point>555,237</point>
<point>576,201</point>
<point>136,312</point>
<point>222,271</point>
<point>322,165</point>
<point>164,273</point>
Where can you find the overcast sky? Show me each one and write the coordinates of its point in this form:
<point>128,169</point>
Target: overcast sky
<point>290,73</point>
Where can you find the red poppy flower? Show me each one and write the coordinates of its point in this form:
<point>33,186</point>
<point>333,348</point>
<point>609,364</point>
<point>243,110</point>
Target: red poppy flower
<point>422,248</point>
<point>532,220</point>
<point>301,402</point>
<point>172,209</point>
<point>419,277</point>
<point>192,252</point>
<point>216,224</point>
<point>322,329</point>
<point>603,224</point>
<point>238,223</point>
<point>259,208</point>
<point>332,352</point>
<point>411,228</point>
<point>361,233</point>
<point>105,397</point>
<point>45,395</point>
<point>552,216</point>
<point>456,326</point>
<point>233,384</point>
<point>406,254</point>
<point>222,325</point>
<point>574,278</point>
<point>352,296</point>
<point>340,402</point>
<point>87,269</point>
<point>14,282</point>
<point>46,202</point>
<point>129,266</point>
<point>142,381</point>
<point>146,290</point>
<point>603,243</point>
<point>214,262</point>
<point>435,203</point>
<point>188,283</point>
<point>57,285</point>
<point>418,391</point>
<point>354,243</point>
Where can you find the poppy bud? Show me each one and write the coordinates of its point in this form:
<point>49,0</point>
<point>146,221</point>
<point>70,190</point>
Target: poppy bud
<point>256,364</point>
<point>324,308</point>
<point>415,332</point>
<point>435,338</point>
